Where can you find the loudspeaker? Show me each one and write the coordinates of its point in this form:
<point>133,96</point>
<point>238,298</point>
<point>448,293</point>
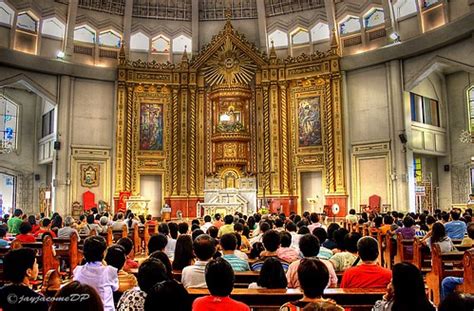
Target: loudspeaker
<point>57,145</point>
<point>37,177</point>
<point>403,138</point>
<point>446,168</point>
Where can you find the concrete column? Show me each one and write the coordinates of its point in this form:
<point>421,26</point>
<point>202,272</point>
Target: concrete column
<point>390,24</point>
<point>445,194</point>
<point>68,43</point>
<point>13,32</point>
<point>62,159</point>
<point>400,123</point>
<point>347,140</point>
<point>331,15</point>
<point>195,26</point>
<point>262,25</point>
<point>127,25</point>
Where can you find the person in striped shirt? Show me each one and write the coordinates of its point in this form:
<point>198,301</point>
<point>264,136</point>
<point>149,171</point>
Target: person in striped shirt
<point>228,244</point>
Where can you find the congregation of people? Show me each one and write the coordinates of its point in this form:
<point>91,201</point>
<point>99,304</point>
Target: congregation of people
<point>304,252</point>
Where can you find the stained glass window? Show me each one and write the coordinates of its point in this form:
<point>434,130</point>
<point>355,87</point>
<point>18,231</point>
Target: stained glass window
<point>161,44</point>
<point>470,97</point>
<point>110,38</point>
<point>181,43</point>
<point>6,14</point>
<point>428,3</point>
<point>53,27</point>
<point>84,34</point>
<point>279,38</point>
<point>300,36</point>
<point>374,18</point>
<point>320,32</point>
<point>26,22</point>
<point>349,25</point>
<point>403,8</point>
<point>8,121</point>
<point>139,41</point>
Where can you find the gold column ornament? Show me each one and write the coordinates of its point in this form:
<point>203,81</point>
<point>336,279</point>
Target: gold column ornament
<point>192,143</point>
<point>184,142</point>
<point>275,139</point>
<point>266,136</point>
<point>119,161</point>
<point>129,136</point>
<point>284,138</point>
<point>175,142</point>
<point>329,140</point>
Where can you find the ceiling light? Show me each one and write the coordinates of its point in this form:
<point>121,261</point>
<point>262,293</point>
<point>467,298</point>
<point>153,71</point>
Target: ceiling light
<point>60,54</point>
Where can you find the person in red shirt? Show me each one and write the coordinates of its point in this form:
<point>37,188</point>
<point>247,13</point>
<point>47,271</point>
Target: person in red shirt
<point>25,235</point>
<point>34,226</point>
<point>218,222</point>
<point>220,282</point>
<point>369,274</point>
<point>45,228</point>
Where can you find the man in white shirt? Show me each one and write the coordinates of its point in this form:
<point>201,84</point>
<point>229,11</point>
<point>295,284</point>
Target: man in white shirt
<point>207,223</point>
<point>118,225</point>
<point>194,276</point>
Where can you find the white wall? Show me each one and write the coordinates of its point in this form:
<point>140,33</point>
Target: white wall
<point>311,187</point>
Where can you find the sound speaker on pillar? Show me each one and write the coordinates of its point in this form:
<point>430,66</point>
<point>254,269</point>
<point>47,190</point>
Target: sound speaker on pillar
<point>446,168</point>
<point>403,138</point>
<point>37,177</point>
<point>57,145</point>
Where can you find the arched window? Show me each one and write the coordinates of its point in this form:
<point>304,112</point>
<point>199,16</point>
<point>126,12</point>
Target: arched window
<point>182,43</point>
<point>349,24</point>
<point>374,18</point>
<point>300,36</point>
<point>26,21</point>
<point>470,107</point>
<point>84,34</point>
<point>161,44</point>
<point>139,42</point>
<point>110,38</point>
<point>53,27</point>
<point>6,14</point>
<point>8,122</point>
<point>403,8</point>
<point>279,39</point>
<point>320,32</point>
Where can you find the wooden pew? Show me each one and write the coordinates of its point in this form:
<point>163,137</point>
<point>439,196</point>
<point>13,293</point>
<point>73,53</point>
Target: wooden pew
<point>242,279</point>
<point>133,234</point>
<point>421,256</point>
<point>402,250</point>
<point>149,230</point>
<point>108,236</point>
<point>355,298</point>
<point>117,234</point>
<point>443,265</point>
<point>388,252</point>
<point>468,265</point>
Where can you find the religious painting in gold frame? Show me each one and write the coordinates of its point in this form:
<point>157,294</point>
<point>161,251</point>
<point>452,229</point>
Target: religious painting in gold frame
<point>90,174</point>
<point>151,127</point>
<point>309,121</point>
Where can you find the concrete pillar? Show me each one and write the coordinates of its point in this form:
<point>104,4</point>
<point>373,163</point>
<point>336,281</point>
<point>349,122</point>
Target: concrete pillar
<point>127,25</point>
<point>445,194</point>
<point>331,15</point>
<point>195,26</point>
<point>403,193</point>
<point>62,159</point>
<point>347,139</point>
<point>262,25</point>
<point>390,24</point>
<point>68,43</point>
